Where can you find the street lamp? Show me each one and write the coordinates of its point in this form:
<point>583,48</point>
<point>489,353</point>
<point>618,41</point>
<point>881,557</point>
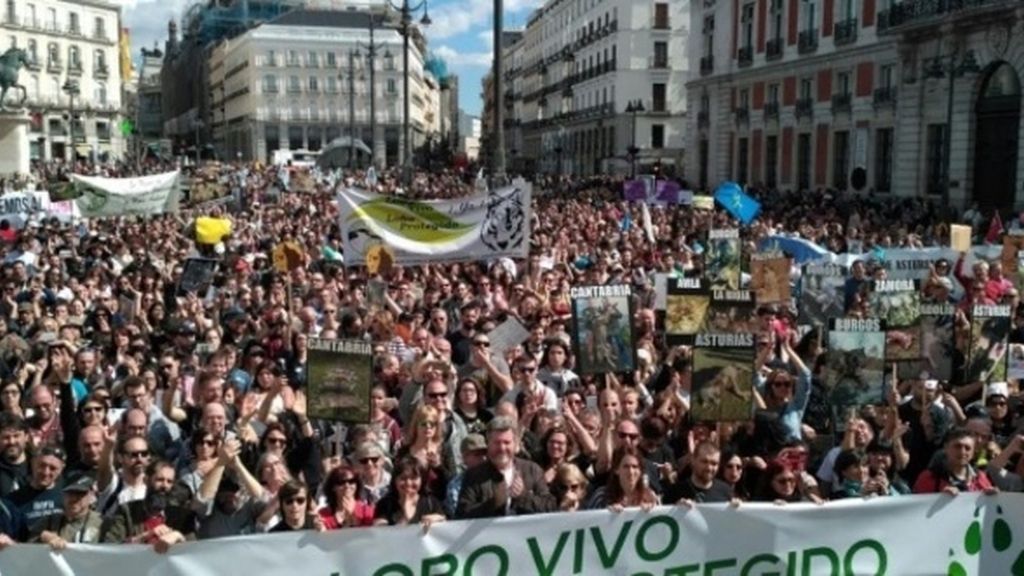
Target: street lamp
<point>498,166</point>
<point>371,57</point>
<point>352,56</point>
<point>634,107</point>
<point>947,67</point>
<point>407,11</point>
<point>71,88</point>
<point>198,125</point>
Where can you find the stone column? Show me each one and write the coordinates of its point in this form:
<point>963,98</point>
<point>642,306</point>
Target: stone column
<point>14,143</point>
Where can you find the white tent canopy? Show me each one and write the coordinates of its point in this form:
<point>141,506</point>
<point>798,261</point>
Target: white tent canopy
<point>336,153</point>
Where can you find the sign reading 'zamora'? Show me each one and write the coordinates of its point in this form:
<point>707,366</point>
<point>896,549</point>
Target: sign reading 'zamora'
<point>969,535</point>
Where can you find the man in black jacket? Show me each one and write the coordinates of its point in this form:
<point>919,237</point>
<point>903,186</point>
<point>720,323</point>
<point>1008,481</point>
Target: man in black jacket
<point>14,464</point>
<point>162,518</point>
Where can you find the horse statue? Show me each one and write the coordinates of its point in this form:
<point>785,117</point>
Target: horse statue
<point>10,63</point>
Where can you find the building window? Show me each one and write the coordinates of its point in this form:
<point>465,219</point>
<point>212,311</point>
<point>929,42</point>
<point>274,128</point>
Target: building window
<point>886,74</point>
<point>747,23</point>
<point>52,55</point>
<point>709,35</point>
<point>294,86</point>
<point>883,159</point>
<point>296,138</point>
<point>332,85</point>
<point>847,10</point>
<point>314,86</point>
<point>806,88</point>
<point>33,52</point>
<point>661,54</point>
<point>840,159</point>
<point>744,100</point>
<point>101,93</point>
<point>100,61</point>
<point>657,136</point>
<point>271,58</point>
<point>777,12</point>
<point>313,60</point>
<point>803,162</point>
<point>773,94</point>
<point>51,23</point>
<point>936,157</point>
<point>658,96</point>
<point>744,155</point>
<point>293,58</point>
<point>391,87</point>
<point>12,14</point>
<point>74,60</point>
<point>99,28</point>
<point>661,21</point>
<point>808,15</point>
<point>842,83</point>
<point>73,26</point>
<point>270,84</point>
<point>771,158</point>
<point>332,60</point>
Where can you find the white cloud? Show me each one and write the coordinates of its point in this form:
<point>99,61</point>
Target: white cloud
<point>462,59</point>
<point>454,18</point>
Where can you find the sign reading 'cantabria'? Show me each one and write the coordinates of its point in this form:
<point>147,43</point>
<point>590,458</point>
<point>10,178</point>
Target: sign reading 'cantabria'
<point>489,225</point>
<point>969,535</point>
<point>142,196</point>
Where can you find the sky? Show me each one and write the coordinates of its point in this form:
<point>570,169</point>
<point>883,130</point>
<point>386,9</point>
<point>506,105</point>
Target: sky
<point>461,34</point>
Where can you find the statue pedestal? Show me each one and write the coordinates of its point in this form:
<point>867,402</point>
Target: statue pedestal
<point>14,148</point>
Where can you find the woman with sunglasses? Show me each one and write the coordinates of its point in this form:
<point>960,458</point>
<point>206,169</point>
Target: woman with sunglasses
<point>470,406</point>
<point>408,501</point>
<point>343,506</point>
<point>783,393</point>
<point>294,509</point>
<point>570,487</point>
<point>424,441</point>
<point>779,483</point>
<point>730,471</point>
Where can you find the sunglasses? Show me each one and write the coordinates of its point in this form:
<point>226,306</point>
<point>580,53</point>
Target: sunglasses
<point>137,454</point>
<point>528,369</point>
<point>208,442</point>
<point>370,460</point>
<point>277,440</point>
<point>482,344</point>
<point>437,395</point>
<point>786,480</point>
<point>89,409</point>
<point>348,481</point>
<point>628,436</point>
<point>428,424</point>
<point>293,501</point>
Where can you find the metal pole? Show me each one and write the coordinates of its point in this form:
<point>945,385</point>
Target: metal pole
<point>633,149</point>
<point>372,49</point>
<point>406,165</point>
<point>498,168</point>
<point>948,143</point>
<point>197,139</point>
<point>351,109</point>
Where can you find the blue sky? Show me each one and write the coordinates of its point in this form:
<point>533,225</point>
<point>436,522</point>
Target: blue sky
<point>460,33</point>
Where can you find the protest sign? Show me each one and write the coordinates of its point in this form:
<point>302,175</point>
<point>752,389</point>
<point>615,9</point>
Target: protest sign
<point>686,307</point>
<point>769,278</point>
<point>938,345</point>
<point>960,237</point>
<point>731,312</point>
<point>506,335</point>
<point>821,292</point>
<point>212,231</point>
<point>1015,362</point>
<point>722,261</point>
<point>144,195</point>
<point>986,351</point>
<point>1013,244</point>
<point>723,367</point>
<point>855,365</point>
<point>340,379</point>
<point>898,304</point>
<point>197,276</point>
<point>484,226</point>
<point>603,331</point>
<point>288,256</point>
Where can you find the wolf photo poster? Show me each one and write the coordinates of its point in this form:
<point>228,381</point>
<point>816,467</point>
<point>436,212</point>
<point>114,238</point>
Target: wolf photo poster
<point>603,328</point>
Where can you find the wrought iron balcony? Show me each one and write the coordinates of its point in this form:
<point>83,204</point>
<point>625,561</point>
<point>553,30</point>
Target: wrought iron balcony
<point>745,56</point>
<point>658,62</point>
<point>805,108</point>
<point>703,119</point>
<point>101,71</point>
<point>742,115</point>
<point>841,103</point>
<point>920,11</point>
<point>771,110</point>
<point>774,48</point>
<point>707,65</point>
<point>885,96</point>
<point>882,20</point>
<point>846,32</point>
<point>808,41</point>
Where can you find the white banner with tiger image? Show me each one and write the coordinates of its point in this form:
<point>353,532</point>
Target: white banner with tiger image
<point>379,231</point>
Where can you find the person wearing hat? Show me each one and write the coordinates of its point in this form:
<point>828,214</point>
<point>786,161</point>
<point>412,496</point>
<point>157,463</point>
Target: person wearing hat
<point>474,452</point>
<point>929,421</point>
<point>78,523</point>
<point>997,407</point>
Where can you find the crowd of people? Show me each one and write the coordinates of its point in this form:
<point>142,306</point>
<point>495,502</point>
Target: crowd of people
<point>131,411</point>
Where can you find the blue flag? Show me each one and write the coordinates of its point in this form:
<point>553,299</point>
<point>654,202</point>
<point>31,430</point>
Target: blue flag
<point>732,198</point>
<point>626,223</point>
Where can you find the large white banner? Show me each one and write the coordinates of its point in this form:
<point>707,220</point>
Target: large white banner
<point>969,535</point>
<point>142,196</point>
<point>483,226</point>
<point>18,207</point>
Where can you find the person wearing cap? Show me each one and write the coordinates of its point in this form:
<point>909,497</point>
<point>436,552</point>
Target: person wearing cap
<point>78,524</point>
<point>929,421</point>
<point>997,407</point>
<point>42,496</point>
<point>474,452</point>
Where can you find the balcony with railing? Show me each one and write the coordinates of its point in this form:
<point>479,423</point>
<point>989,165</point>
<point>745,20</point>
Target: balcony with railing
<point>658,62</point>
<point>745,56</point>
<point>662,23</point>
<point>659,106</point>
<point>703,119</point>
<point>773,50</point>
<point>742,115</point>
<point>808,41</point>
<point>54,65</point>
<point>915,12</point>
<point>842,103</point>
<point>884,97</point>
<point>75,67</point>
<point>707,65</point>
<point>101,35</point>
<point>102,71</point>
<point>804,108</point>
<point>74,30</point>
<point>771,110</point>
<point>846,32</point>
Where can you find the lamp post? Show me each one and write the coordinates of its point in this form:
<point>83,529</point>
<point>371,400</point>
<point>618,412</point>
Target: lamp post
<point>198,125</point>
<point>498,167</point>
<point>406,12</point>
<point>633,107</point>
<point>71,88</point>
<point>947,67</point>
<point>371,58</point>
<point>352,55</point>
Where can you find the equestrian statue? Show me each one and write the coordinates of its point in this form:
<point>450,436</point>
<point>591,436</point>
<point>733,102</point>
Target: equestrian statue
<point>11,62</point>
